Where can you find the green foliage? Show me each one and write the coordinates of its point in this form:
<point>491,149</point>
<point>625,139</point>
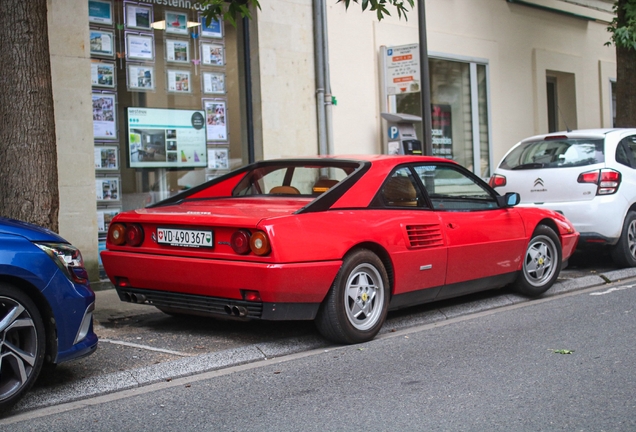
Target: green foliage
<point>380,6</point>
<point>228,10</point>
<point>623,27</point>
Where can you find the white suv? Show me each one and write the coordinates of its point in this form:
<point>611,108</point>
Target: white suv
<point>587,175</point>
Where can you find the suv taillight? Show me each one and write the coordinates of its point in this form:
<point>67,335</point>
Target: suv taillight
<point>607,180</point>
<point>497,180</point>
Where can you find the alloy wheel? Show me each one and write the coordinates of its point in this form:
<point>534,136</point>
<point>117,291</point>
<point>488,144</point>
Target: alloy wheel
<point>631,238</point>
<point>18,346</point>
<point>364,296</point>
<point>540,261</point>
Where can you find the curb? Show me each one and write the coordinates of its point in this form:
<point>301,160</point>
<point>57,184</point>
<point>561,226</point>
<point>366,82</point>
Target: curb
<point>118,381</point>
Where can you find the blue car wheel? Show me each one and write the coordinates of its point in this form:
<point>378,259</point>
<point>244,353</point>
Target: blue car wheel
<point>22,344</point>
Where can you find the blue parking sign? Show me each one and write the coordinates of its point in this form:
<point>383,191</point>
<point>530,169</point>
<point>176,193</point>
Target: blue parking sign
<point>393,132</point>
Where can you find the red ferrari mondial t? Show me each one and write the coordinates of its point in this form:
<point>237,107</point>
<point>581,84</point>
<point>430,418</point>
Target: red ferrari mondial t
<point>338,240</point>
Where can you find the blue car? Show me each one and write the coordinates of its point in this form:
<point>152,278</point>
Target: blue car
<point>46,306</point>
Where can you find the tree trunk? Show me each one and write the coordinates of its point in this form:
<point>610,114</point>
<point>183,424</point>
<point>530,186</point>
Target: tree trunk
<point>625,77</point>
<point>28,153</point>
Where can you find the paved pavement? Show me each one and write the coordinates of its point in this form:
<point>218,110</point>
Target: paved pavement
<point>176,364</point>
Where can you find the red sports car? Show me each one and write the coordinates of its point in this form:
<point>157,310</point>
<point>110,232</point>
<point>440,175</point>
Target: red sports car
<point>338,240</point>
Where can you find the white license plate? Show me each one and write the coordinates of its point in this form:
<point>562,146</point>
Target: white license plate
<point>188,238</point>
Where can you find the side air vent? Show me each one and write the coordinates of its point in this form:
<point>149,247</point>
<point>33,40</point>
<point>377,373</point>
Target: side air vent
<point>424,236</point>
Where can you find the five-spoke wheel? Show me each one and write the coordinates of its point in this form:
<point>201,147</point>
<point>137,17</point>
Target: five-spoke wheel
<point>364,296</point>
<point>357,303</point>
<point>541,264</point>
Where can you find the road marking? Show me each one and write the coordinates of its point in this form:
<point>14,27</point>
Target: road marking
<point>620,288</point>
<point>146,347</point>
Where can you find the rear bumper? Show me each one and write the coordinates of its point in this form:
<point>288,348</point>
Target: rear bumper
<point>190,304</point>
<point>600,219</point>
<point>287,291</point>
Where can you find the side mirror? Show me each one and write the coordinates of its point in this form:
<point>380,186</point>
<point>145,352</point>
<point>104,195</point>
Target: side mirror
<point>510,199</point>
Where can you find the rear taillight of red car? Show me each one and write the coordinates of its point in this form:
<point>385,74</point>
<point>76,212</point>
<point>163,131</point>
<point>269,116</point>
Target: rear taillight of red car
<point>243,241</point>
<point>497,180</point>
<point>607,180</point>
<point>130,234</point>
<point>240,242</point>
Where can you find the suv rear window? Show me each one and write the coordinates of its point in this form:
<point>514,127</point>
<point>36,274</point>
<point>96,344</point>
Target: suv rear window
<point>555,153</point>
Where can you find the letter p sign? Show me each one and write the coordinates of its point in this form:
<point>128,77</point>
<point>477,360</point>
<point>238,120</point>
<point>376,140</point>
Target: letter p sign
<point>393,132</point>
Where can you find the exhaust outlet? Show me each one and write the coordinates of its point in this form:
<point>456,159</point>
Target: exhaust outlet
<point>239,311</point>
<point>126,297</point>
<point>137,298</point>
<point>228,309</point>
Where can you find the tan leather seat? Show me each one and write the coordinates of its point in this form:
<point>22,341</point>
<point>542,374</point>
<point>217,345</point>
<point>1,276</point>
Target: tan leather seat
<point>323,185</point>
<point>399,191</point>
<point>284,190</point>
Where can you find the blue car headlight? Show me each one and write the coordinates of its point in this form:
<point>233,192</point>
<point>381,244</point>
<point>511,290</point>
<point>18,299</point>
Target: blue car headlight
<point>68,258</point>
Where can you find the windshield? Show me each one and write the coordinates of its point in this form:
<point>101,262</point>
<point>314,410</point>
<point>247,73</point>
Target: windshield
<point>555,153</point>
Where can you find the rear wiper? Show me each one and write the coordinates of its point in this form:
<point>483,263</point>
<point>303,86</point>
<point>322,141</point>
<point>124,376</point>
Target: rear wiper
<point>532,165</point>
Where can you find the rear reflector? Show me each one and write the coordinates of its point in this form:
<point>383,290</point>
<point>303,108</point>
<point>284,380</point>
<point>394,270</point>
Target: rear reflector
<point>250,295</point>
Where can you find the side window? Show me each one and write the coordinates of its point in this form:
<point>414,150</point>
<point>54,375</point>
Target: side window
<point>400,190</point>
<point>626,151</point>
<point>450,189</point>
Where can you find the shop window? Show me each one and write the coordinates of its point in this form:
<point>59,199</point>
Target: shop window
<point>166,102</point>
<point>459,111</point>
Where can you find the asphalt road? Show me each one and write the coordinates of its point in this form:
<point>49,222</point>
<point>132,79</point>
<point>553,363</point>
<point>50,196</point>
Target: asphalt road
<point>140,346</point>
<point>564,362</point>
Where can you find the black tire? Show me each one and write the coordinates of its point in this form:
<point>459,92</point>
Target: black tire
<point>22,345</point>
<point>624,252</point>
<point>356,306</point>
<point>541,263</point>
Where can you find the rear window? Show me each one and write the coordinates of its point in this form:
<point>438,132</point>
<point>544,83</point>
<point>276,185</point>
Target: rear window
<point>293,179</point>
<point>555,153</point>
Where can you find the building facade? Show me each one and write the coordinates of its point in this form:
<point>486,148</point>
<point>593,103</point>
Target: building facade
<point>149,99</point>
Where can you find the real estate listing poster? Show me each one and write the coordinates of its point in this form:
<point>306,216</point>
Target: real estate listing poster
<point>107,189</point>
<point>103,74</point>
<point>216,120</point>
<point>106,158</point>
<point>104,116</point>
<point>166,138</point>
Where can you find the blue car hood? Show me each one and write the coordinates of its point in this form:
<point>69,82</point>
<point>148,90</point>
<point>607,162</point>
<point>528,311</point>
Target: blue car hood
<point>29,231</point>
